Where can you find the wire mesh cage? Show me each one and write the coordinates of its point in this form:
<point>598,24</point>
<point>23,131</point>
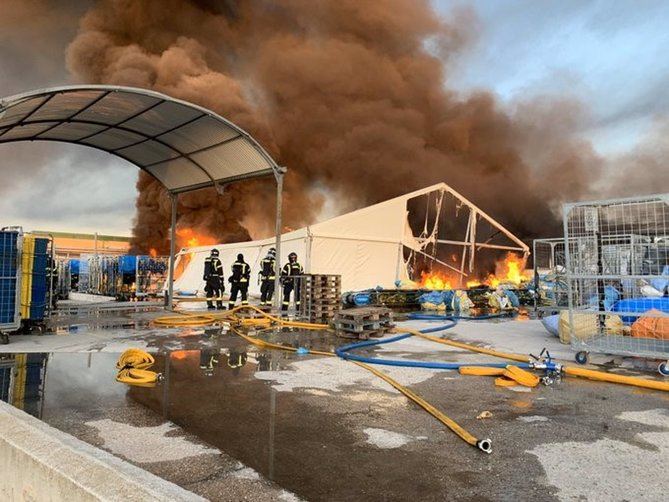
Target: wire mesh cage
<point>84,284</point>
<point>63,278</point>
<point>617,269</point>
<point>550,275</point>
<point>151,275</point>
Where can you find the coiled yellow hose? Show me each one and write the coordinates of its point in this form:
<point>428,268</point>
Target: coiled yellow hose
<point>133,369</point>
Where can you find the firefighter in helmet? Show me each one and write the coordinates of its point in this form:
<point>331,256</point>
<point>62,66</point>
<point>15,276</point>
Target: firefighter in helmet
<point>290,282</point>
<point>213,276</point>
<point>239,281</point>
<point>267,275</point>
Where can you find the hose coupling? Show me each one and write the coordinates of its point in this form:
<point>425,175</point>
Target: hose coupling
<point>485,445</point>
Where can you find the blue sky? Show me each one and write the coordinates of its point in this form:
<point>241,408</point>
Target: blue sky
<point>611,55</point>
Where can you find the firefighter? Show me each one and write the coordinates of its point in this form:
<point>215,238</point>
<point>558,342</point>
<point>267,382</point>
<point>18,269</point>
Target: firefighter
<point>267,275</point>
<point>213,275</point>
<point>237,360</point>
<point>208,361</point>
<point>239,281</point>
<point>289,270</point>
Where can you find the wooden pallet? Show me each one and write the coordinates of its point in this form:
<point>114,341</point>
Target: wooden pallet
<point>320,297</point>
<point>364,322</point>
<point>364,335</point>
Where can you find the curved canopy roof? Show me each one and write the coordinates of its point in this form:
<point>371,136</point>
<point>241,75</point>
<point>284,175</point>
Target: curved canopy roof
<point>184,146</point>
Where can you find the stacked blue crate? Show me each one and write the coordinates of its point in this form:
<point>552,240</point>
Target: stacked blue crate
<point>40,280</point>
<point>9,282</point>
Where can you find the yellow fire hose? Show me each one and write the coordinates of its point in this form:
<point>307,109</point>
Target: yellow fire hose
<point>600,376</point>
<point>133,368</point>
<point>484,445</point>
<point>509,376</point>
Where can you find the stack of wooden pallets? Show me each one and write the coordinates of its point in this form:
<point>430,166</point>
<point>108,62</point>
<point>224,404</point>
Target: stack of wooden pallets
<point>364,322</point>
<point>320,297</point>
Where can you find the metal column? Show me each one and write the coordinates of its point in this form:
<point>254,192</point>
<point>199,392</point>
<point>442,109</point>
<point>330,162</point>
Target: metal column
<point>279,199</point>
<point>173,228</point>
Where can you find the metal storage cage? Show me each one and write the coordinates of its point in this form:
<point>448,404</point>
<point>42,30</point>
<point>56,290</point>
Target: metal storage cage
<point>64,279</point>
<point>84,279</point>
<point>550,283</point>
<point>11,242</point>
<point>150,275</point>
<point>617,266</point>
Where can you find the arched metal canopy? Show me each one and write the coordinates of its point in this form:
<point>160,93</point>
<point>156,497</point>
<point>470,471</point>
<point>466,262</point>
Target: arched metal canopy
<point>184,146</point>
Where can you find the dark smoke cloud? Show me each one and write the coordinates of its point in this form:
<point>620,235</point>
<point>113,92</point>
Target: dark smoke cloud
<point>349,95</point>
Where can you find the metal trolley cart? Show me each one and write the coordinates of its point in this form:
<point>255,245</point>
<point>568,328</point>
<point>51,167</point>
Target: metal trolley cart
<point>618,277</point>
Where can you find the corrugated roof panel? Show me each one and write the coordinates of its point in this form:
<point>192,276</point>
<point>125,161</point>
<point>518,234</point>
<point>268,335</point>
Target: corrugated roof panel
<point>231,159</point>
<point>148,152</point>
<point>72,131</point>
<point>177,173</point>
<point>62,106</point>
<point>117,107</point>
<point>18,111</point>
<point>26,131</point>
<point>202,133</point>
<point>113,139</point>
<point>162,118</point>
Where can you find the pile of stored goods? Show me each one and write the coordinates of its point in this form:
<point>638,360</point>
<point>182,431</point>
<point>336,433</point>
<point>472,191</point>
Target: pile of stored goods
<point>122,277</point>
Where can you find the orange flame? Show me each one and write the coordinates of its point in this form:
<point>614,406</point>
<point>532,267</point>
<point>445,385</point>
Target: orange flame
<point>188,238</point>
<point>510,270</point>
<point>435,280</point>
<point>153,252</point>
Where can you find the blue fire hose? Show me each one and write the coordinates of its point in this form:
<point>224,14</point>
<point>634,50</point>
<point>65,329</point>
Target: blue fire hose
<point>344,351</point>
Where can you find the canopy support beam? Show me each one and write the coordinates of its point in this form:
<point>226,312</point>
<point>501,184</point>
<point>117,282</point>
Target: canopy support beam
<point>173,237</point>
<point>278,225</point>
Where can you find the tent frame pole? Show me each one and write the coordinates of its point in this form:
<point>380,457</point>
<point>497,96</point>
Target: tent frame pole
<point>277,244</point>
<point>173,228</point>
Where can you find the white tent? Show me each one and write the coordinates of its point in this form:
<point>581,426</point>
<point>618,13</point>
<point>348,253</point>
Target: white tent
<point>366,247</point>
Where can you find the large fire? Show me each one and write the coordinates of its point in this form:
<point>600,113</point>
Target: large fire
<point>188,238</point>
<point>435,280</point>
<point>509,270</point>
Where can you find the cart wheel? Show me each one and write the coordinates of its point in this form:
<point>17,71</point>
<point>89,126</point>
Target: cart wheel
<point>663,368</point>
<point>582,357</point>
<point>4,338</point>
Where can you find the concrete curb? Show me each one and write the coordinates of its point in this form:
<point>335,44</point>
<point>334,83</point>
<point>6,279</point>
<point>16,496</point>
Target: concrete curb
<point>39,462</point>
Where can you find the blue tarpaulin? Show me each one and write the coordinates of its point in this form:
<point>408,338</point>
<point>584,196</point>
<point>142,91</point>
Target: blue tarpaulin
<point>640,305</point>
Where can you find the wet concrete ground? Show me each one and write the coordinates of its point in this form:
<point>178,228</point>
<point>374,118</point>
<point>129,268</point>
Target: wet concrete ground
<point>325,429</point>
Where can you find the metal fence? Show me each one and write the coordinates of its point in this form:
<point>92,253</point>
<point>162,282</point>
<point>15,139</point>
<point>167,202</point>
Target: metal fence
<point>617,271</point>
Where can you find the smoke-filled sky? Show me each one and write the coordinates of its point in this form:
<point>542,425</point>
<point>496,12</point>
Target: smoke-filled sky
<point>563,100</point>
